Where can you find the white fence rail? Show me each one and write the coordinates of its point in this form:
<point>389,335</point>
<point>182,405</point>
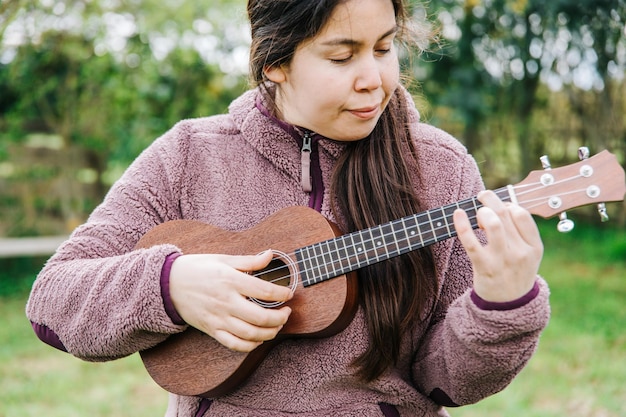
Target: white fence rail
<point>29,246</point>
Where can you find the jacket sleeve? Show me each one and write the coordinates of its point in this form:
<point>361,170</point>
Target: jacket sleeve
<point>473,348</point>
<point>97,297</point>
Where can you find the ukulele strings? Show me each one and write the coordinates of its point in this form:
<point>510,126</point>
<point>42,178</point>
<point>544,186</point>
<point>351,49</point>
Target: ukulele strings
<point>523,190</point>
<point>284,267</point>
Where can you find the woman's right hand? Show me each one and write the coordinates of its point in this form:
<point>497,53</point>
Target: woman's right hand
<point>211,293</point>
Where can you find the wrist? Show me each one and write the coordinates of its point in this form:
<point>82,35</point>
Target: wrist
<point>168,304</point>
<point>505,305</point>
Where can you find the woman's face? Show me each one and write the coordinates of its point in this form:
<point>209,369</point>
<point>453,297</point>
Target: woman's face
<point>339,82</point>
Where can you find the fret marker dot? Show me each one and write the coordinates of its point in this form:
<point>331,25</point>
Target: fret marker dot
<point>412,233</point>
<point>379,243</point>
<point>438,224</point>
<point>360,249</point>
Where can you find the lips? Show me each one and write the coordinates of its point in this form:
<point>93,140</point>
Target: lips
<point>366,112</point>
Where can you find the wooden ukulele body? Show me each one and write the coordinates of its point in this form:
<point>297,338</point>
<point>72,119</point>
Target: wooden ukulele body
<point>193,363</point>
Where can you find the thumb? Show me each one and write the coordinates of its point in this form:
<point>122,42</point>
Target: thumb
<point>249,263</point>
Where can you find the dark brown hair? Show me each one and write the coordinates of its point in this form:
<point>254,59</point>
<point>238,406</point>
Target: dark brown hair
<point>372,181</point>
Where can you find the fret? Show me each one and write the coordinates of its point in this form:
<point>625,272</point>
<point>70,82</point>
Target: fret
<point>304,264</point>
<point>432,226</point>
<point>391,239</point>
<point>326,258</point>
<point>334,256</point>
<point>407,235</point>
<point>418,232</point>
<point>438,222</point>
<point>313,266</point>
<point>448,212</point>
<point>473,218</point>
<point>388,240</point>
<point>369,244</point>
<point>343,254</point>
<point>426,228</point>
<point>358,249</point>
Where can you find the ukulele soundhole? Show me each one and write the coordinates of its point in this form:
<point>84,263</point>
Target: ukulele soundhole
<point>279,271</point>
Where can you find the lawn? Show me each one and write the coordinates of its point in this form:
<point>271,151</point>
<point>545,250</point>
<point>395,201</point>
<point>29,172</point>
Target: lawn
<point>579,369</point>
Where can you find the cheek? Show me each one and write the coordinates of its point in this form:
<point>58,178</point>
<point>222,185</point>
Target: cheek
<point>391,75</point>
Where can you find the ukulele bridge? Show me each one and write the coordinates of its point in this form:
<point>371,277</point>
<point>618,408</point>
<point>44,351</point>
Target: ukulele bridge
<point>280,271</point>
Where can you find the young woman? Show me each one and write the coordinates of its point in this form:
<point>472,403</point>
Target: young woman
<point>327,126</point>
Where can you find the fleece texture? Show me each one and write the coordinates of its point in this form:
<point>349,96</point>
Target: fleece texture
<point>103,300</point>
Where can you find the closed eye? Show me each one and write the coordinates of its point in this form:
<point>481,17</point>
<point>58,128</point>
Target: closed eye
<point>341,60</point>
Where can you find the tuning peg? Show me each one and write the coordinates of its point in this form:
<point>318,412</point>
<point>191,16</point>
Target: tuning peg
<point>602,212</point>
<point>583,153</point>
<point>545,162</point>
<point>565,225</point>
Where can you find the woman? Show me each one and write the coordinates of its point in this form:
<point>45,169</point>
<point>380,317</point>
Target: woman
<point>328,126</point>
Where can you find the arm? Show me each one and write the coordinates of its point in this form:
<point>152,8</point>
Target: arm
<point>492,306</point>
<point>476,348</point>
<point>99,297</point>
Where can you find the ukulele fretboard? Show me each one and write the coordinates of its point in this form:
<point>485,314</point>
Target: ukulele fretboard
<point>330,258</point>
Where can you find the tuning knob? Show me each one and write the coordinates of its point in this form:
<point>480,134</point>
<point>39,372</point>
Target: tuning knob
<point>565,225</point>
<point>604,217</point>
<point>583,153</point>
<point>545,162</point>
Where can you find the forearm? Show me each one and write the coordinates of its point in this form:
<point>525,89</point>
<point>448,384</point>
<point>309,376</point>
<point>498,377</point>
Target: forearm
<point>477,350</point>
<point>103,308</point>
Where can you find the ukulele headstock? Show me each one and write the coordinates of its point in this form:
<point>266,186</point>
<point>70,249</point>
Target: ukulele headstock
<point>593,180</point>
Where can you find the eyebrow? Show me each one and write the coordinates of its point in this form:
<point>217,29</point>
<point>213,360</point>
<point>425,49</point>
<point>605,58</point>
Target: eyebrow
<point>352,42</point>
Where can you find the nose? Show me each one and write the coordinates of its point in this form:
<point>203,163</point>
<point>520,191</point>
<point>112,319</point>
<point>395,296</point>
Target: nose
<point>369,75</point>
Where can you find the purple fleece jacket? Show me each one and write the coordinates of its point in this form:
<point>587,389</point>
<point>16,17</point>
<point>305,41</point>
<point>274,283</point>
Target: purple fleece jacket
<point>99,299</point>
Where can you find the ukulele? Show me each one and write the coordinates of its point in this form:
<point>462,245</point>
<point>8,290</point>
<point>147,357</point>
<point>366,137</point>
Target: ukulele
<point>318,264</point>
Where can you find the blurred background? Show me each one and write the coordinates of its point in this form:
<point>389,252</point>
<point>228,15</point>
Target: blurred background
<point>85,85</point>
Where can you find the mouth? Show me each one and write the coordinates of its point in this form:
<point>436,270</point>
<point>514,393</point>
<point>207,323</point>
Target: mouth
<point>365,113</point>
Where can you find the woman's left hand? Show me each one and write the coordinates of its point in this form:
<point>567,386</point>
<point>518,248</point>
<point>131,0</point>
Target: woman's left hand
<point>505,269</point>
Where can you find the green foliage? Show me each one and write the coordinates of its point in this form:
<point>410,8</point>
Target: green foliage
<point>18,274</point>
<point>496,55</point>
<point>106,78</point>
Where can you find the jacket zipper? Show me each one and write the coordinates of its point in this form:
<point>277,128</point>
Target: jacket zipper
<point>305,162</point>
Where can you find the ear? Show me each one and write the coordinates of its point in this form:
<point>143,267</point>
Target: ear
<point>275,74</point>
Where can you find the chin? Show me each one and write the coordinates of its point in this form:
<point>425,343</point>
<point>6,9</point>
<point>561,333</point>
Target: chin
<point>353,135</point>
<point>351,138</point>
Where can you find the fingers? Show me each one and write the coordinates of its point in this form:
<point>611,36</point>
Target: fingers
<point>254,287</point>
<point>505,267</point>
<point>465,231</point>
<point>242,336</point>
<point>211,293</point>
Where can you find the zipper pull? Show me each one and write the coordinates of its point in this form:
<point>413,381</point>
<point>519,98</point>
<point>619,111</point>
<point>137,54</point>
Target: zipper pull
<point>305,159</point>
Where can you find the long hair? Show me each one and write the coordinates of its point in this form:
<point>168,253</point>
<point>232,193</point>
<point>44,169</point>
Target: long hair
<point>371,183</point>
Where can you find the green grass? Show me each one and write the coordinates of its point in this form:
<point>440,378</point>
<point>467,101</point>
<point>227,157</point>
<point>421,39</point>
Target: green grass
<point>579,369</point>
<point>37,380</point>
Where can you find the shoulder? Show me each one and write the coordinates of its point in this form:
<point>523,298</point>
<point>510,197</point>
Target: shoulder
<point>190,134</point>
<point>435,144</point>
<point>447,172</point>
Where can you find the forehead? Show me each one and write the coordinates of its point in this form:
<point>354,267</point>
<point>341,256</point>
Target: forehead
<point>358,20</point>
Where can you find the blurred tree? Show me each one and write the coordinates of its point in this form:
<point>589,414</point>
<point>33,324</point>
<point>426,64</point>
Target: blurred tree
<point>107,78</point>
<point>497,53</point>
